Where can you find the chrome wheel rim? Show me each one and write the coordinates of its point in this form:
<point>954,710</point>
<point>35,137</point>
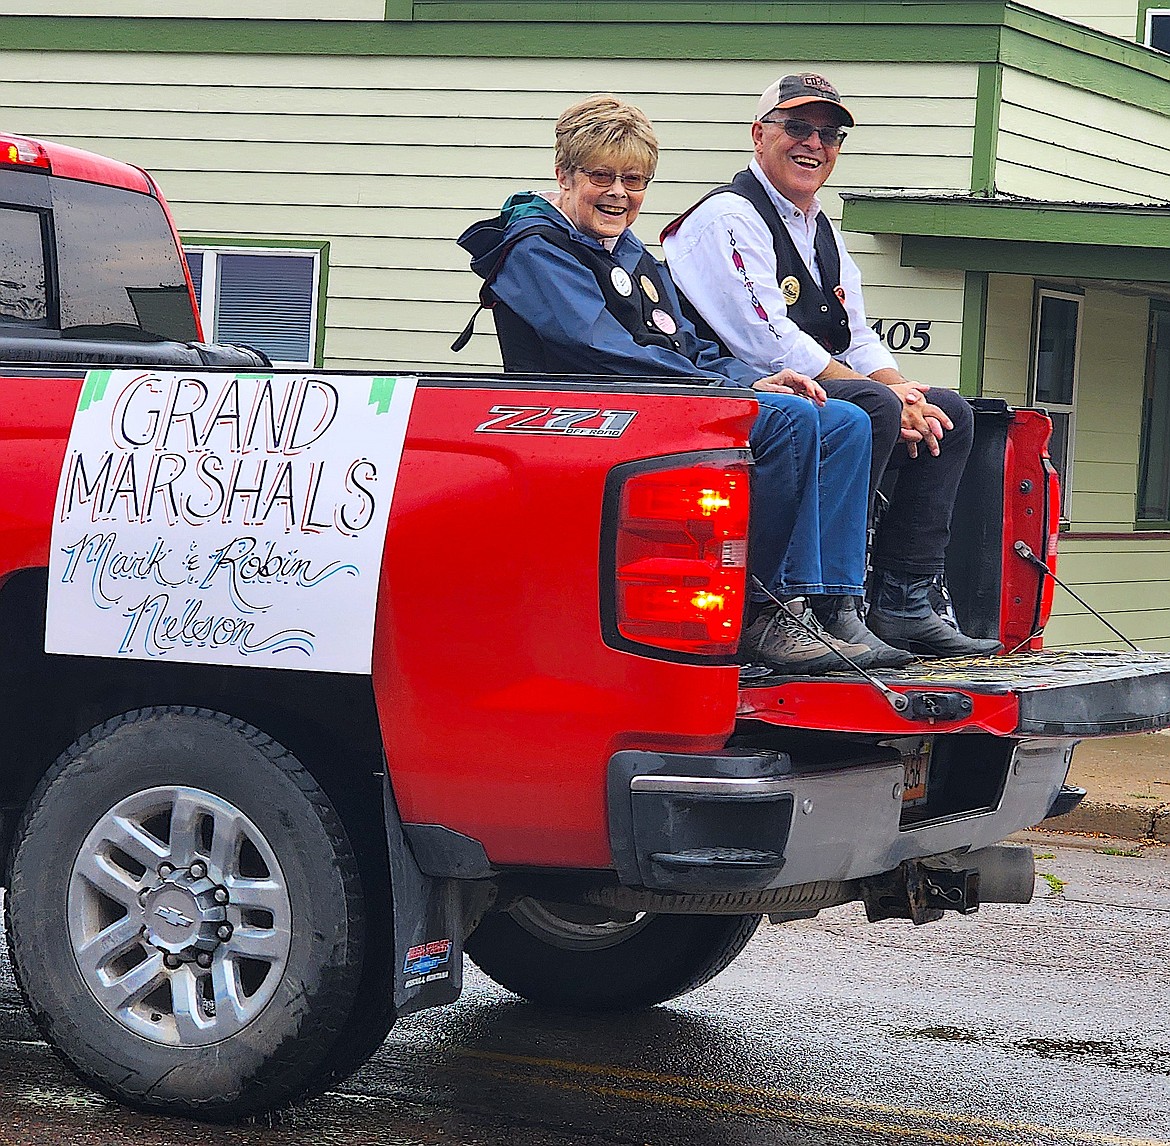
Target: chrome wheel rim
<point>179,916</point>
<point>577,928</point>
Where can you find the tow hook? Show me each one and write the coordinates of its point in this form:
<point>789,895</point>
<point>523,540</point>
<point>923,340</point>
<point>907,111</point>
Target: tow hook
<point>920,893</point>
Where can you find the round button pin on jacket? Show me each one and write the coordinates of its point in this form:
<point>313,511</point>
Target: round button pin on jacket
<point>663,321</point>
<point>622,282</point>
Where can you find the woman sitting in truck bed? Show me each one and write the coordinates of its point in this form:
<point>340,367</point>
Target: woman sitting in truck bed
<point>572,290</point>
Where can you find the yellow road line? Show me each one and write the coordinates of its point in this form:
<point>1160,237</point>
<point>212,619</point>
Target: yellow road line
<point>772,1094</point>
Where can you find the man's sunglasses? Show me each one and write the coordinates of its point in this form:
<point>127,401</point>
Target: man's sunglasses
<point>801,129</point>
<point>605,177</point>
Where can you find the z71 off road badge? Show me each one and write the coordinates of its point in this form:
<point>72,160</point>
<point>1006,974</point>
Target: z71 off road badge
<point>556,420</point>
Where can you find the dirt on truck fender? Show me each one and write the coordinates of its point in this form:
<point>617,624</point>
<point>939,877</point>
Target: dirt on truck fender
<point>315,680</point>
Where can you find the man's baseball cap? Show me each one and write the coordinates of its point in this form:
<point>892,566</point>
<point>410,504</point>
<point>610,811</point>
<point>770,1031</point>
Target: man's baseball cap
<point>795,91</point>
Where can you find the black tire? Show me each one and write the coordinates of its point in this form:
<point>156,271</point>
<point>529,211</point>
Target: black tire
<point>571,957</point>
<point>271,1011</point>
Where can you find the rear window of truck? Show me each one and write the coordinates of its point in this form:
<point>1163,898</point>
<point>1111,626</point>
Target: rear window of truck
<point>119,268</point>
<point>23,297</point>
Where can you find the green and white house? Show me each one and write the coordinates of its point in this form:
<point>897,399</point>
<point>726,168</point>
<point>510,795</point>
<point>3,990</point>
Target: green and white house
<point>1006,190</point>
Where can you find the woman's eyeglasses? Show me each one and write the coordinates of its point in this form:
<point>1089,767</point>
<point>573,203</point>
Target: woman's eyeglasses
<point>605,177</point>
<point>801,129</point>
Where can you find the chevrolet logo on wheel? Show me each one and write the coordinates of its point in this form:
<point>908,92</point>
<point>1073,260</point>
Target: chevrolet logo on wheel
<point>173,916</point>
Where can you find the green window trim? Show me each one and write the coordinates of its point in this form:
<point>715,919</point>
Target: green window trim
<point>321,246</point>
<point>1157,533</point>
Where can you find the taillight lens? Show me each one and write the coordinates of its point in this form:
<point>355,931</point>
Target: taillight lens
<point>22,152</point>
<point>681,557</point>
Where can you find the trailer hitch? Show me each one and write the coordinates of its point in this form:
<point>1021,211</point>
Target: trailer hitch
<point>920,892</point>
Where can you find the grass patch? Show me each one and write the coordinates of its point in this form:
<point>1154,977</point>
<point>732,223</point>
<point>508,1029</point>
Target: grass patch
<point>1057,885</point>
<point>1129,853</point>
<point>1046,855</point>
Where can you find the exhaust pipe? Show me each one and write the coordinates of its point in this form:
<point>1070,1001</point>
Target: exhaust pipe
<point>1007,873</point>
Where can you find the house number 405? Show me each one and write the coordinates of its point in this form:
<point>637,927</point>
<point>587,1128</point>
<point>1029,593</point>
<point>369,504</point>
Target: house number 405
<point>902,335</point>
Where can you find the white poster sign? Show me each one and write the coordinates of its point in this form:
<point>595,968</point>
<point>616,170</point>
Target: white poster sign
<point>225,518</point>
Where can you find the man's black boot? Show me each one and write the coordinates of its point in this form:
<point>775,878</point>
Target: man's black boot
<point>901,614</point>
<point>840,616</point>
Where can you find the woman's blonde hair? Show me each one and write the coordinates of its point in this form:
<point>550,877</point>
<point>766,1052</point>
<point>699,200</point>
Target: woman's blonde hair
<point>605,129</point>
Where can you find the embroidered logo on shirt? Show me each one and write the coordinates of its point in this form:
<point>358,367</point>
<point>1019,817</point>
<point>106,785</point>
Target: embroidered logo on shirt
<point>790,290</point>
<point>757,306</point>
<point>648,288</point>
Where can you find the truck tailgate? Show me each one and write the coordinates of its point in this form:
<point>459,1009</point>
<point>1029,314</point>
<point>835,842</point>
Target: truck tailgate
<point>1058,693</point>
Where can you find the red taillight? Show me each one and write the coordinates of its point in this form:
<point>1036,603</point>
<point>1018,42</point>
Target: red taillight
<point>681,558</point>
<point>22,152</point>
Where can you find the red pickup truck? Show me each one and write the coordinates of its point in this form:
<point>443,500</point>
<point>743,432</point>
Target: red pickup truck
<point>314,680</point>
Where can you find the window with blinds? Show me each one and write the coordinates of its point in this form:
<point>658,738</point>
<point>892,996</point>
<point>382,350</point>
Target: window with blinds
<point>260,297</point>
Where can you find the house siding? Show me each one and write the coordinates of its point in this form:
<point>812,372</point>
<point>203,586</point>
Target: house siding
<point>1047,151</point>
<point>1137,602</point>
<point>1113,17</point>
<point>390,159</point>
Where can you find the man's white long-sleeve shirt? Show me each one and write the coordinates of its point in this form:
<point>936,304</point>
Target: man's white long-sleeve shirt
<point>724,260</point>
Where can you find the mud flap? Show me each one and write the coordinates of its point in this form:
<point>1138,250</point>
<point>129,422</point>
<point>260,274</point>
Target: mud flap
<point>432,916</point>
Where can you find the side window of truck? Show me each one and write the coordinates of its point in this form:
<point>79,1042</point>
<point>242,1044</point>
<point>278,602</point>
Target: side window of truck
<point>121,275</point>
<point>23,297</point>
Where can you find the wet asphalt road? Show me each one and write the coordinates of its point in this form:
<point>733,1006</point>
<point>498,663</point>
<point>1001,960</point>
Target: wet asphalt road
<point>1047,1024</point>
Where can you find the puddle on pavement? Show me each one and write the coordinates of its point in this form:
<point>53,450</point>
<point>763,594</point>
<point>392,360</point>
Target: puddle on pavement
<point>943,1034</point>
<point>1152,1060</point>
<point>1089,1052</point>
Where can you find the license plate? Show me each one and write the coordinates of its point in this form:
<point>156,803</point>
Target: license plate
<point>916,763</point>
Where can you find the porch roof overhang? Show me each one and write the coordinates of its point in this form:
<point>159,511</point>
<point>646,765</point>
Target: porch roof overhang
<point>1008,235</point>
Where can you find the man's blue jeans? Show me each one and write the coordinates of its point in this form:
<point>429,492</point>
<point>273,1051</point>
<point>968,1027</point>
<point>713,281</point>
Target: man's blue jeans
<point>809,496</point>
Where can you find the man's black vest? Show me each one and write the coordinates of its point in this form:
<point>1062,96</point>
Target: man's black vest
<point>818,312</point>
<point>644,310</point>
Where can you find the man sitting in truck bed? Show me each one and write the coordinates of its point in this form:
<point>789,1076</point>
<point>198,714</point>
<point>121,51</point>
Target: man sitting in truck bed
<point>572,290</point>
